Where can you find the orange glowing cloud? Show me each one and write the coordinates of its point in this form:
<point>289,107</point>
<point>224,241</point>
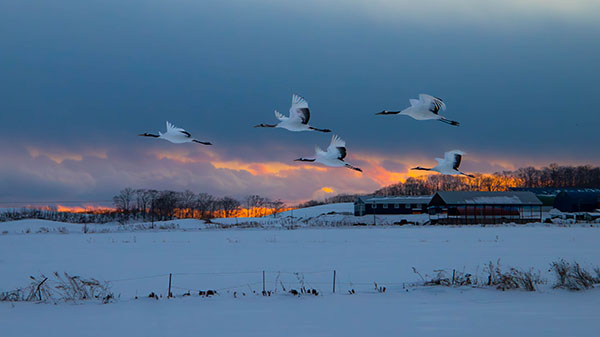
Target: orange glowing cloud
<point>183,155</point>
<point>58,156</point>
<point>183,159</point>
<point>267,168</point>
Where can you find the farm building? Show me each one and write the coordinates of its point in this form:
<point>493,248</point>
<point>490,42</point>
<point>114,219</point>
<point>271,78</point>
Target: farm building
<point>572,202</point>
<point>547,195</point>
<point>470,207</point>
<point>391,205</point>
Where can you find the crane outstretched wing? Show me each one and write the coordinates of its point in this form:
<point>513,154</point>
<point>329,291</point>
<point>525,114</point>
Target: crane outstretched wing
<point>300,109</point>
<point>337,148</point>
<point>279,116</point>
<point>453,158</point>
<point>434,104</point>
<point>174,129</point>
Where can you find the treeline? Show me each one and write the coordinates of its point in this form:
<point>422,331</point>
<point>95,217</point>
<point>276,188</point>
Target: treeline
<point>147,205</point>
<point>52,214</point>
<point>550,176</point>
<point>433,183</point>
<point>585,176</point>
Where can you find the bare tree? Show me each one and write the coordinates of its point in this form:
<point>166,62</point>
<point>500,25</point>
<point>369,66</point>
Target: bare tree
<point>165,204</point>
<point>143,199</point>
<point>187,204</point>
<point>124,202</point>
<point>252,202</point>
<point>277,206</point>
<point>229,206</point>
<point>205,204</point>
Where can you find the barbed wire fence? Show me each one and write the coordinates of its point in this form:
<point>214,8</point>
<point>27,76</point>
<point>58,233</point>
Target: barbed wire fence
<point>258,282</point>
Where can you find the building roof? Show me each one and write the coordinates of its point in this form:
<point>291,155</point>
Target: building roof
<point>488,198</point>
<point>418,199</point>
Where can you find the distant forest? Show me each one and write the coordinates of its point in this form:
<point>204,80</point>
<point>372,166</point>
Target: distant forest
<point>147,205</point>
<point>550,176</point>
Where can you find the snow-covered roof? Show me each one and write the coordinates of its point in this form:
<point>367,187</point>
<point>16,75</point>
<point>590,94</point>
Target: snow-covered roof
<point>488,198</point>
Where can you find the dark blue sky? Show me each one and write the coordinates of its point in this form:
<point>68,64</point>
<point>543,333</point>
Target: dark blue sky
<point>81,78</point>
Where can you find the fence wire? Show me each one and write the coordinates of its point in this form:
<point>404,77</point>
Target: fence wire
<point>257,282</point>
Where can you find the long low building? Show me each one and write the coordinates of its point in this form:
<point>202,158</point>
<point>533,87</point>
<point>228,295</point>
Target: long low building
<point>470,207</point>
<point>565,199</point>
<point>573,202</point>
<point>391,205</point>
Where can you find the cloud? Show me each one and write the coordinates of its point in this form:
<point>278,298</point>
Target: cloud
<point>393,165</point>
<point>323,193</point>
<point>432,12</point>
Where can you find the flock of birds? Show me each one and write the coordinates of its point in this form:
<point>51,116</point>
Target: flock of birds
<point>425,108</point>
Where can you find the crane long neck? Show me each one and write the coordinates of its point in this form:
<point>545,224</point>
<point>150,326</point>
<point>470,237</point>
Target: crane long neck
<point>385,112</point>
<point>319,130</point>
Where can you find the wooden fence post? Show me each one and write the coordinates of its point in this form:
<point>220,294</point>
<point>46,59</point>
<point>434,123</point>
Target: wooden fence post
<point>334,281</point>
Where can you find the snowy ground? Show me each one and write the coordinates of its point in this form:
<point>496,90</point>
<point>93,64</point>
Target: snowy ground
<point>231,260</point>
<point>427,312</point>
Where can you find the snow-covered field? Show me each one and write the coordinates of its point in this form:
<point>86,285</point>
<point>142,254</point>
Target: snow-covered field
<point>232,260</point>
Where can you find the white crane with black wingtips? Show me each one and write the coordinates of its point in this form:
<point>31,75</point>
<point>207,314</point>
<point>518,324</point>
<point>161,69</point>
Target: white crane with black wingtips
<point>175,135</point>
<point>449,165</point>
<point>425,108</point>
<point>297,120</point>
<point>334,156</point>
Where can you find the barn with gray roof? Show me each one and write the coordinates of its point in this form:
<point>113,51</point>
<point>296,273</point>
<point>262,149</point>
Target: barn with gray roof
<point>472,207</point>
